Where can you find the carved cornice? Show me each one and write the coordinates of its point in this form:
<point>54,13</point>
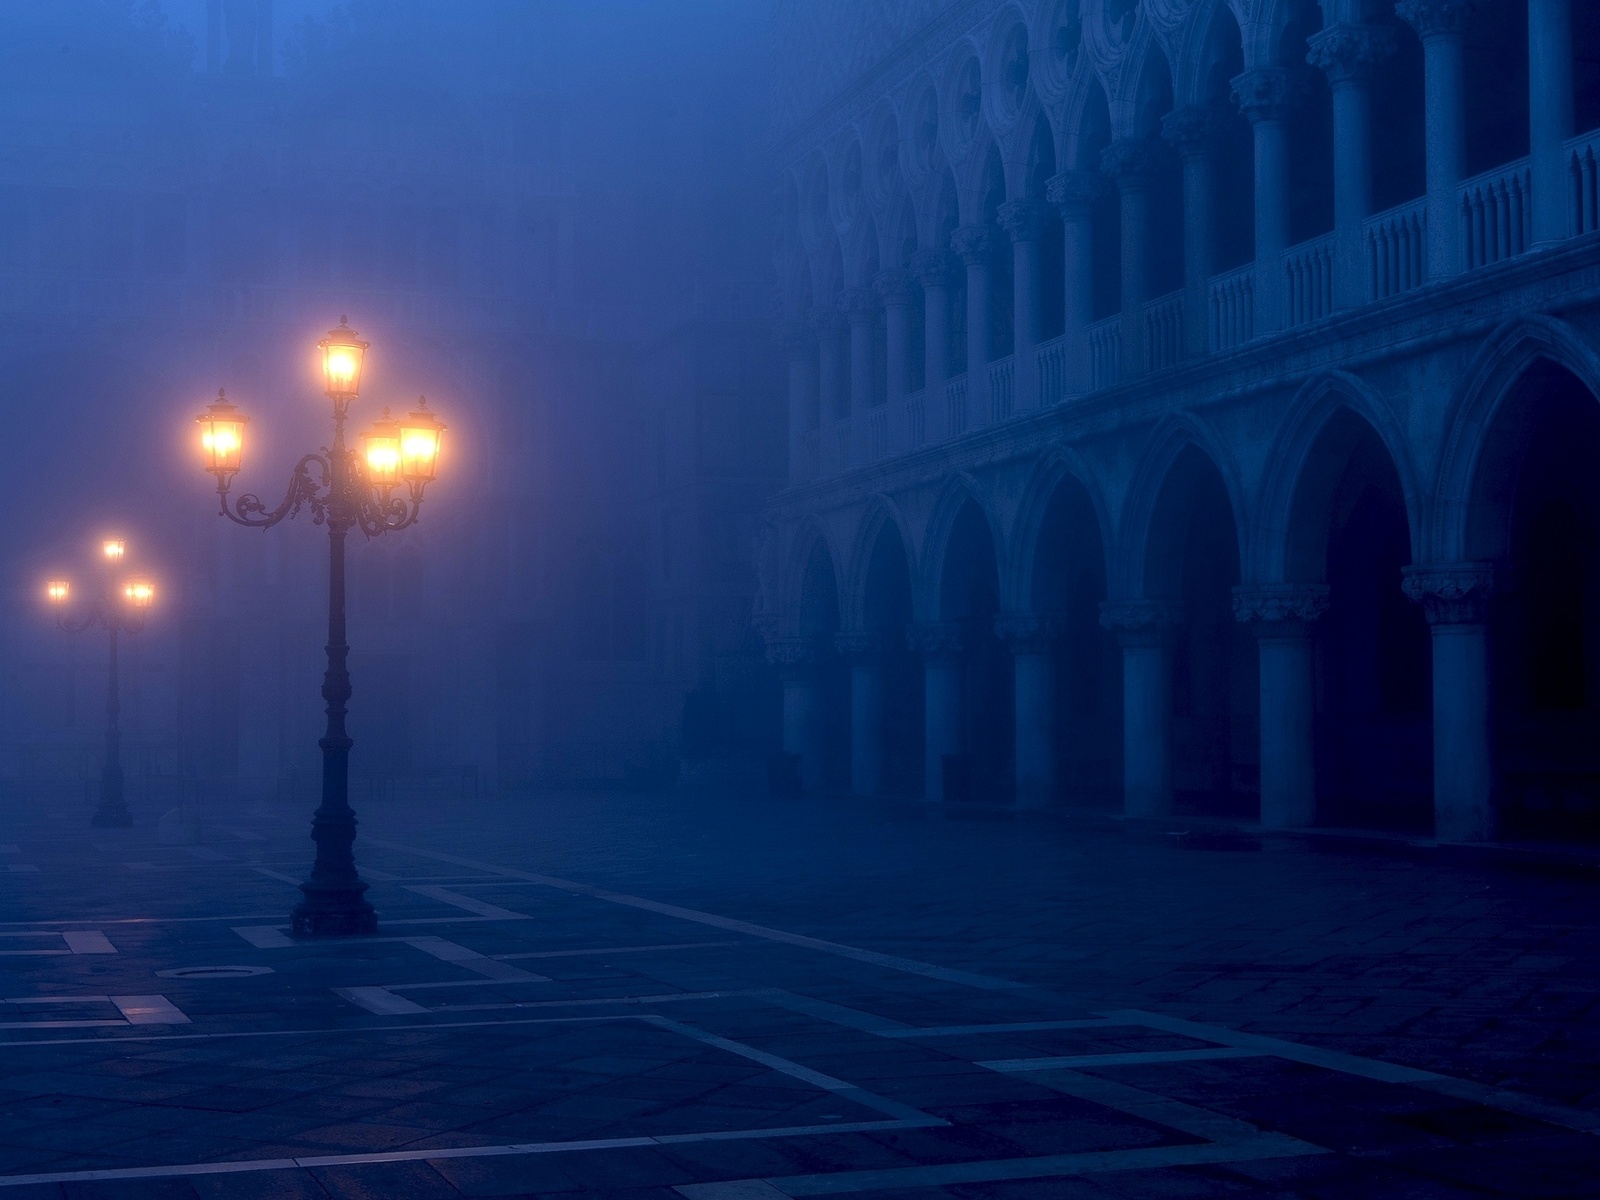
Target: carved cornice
<point>1451,593</point>
<point>1192,130</point>
<point>1350,53</point>
<point>858,304</point>
<point>932,268</point>
<point>1134,163</point>
<point>973,244</point>
<point>1028,633</point>
<point>1280,610</point>
<point>1020,219</point>
<point>1141,622</point>
<point>1074,191</point>
<point>1265,94</point>
<point>1434,18</point>
<point>894,288</point>
<point>941,639</point>
<point>859,647</point>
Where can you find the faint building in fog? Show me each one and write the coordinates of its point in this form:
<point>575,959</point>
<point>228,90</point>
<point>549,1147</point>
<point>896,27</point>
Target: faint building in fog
<point>1192,407</point>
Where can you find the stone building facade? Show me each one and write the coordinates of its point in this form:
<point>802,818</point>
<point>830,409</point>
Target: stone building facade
<point>1192,408</point>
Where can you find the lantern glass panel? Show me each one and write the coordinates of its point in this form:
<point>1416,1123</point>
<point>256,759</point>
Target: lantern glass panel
<point>421,436</point>
<point>58,591</point>
<point>343,357</point>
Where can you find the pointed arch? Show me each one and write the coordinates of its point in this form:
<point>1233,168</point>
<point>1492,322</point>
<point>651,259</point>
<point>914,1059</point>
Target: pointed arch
<point>1506,355</point>
<point>810,541</point>
<point>882,518</point>
<point>959,490</point>
<point>1167,444</point>
<point>1061,467</point>
<point>1319,401</point>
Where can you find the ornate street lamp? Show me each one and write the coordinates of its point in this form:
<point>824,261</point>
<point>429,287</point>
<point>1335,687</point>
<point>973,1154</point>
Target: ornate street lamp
<point>116,613</point>
<point>344,490</point>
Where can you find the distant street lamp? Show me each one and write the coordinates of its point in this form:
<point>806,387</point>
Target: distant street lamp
<point>117,613</point>
<point>343,490</point>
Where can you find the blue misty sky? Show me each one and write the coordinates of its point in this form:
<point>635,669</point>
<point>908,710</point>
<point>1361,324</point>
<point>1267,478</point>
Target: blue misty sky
<point>286,15</point>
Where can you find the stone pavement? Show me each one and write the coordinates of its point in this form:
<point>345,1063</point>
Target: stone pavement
<point>746,999</point>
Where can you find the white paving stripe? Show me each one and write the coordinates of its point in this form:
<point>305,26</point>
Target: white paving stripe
<point>381,1001</point>
<point>22,868</point>
<point>446,896</point>
<point>263,937</point>
<point>278,875</point>
<point>471,960</point>
<point>149,1010</point>
<point>1130,1059</point>
<point>88,941</point>
<point>188,1170</point>
<point>613,950</point>
<point>892,962</point>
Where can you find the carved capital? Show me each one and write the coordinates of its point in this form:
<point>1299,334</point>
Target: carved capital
<point>1028,633</point>
<point>794,655</point>
<point>1434,18</point>
<point>1074,191</point>
<point>796,337</point>
<point>825,322</point>
<point>1265,94</point>
<point>940,639</point>
<point>859,647</point>
<point>1134,163</point>
<point>932,268</point>
<point>1281,609</point>
<point>1193,130</point>
<point>1141,622</point>
<point>973,244</point>
<point>1451,593</point>
<point>894,288</point>
<point>858,304</point>
<point>1350,53</point>
<point>1020,219</point>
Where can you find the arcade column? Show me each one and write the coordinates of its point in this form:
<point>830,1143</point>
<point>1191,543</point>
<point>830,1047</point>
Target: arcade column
<point>1146,629</point>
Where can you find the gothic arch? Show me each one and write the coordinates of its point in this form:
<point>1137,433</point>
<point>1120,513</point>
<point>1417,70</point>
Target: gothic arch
<point>808,540</point>
<point>929,566</point>
<point>1167,443</point>
<point>1505,357</point>
<point>882,515</point>
<point>1060,467</point>
<point>1317,404</point>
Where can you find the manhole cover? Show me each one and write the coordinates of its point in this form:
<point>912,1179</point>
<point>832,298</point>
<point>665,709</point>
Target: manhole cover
<point>213,972</point>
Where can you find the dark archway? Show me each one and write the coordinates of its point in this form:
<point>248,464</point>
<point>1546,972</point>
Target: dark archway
<point>1348,528</point>
<point>969,595</point>
<point>1193,558</point>
<point>817,625</point>
<point>1538,520</point>
<point>886,611</point>
<point>1069,582</point>
<point>1310,131</point>
<point>1052,267</point>
<point>1234,174</point>
<point>1094,135</point>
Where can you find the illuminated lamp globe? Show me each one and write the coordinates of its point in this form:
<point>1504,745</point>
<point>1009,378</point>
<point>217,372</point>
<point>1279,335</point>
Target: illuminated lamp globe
<point>343,355</point>
<point>380,447</point>
<point>139,593</point>
<point>421,435</point>
<point>222,436</point>
<point>113,548</point>
<point>58,591</point>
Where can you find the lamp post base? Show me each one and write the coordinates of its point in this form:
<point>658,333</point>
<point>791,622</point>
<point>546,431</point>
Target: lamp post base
<point>334,912</point>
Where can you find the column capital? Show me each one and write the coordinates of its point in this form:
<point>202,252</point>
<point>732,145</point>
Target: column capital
<point>1020,219</point>
<point>795,336</point>
<point>1280,609</point>
<point>1451,593</point>
<point>937,639</point>
<point>1028,633</point>
<point>932,268</point>
<point>859,647</point>
<point>1074,191</point>
<point>973,244</point>
<point>1434,18</point>
<point>825,321</point>
<point>1141,622</point>
<point>1265,94</point>
<point>1133,163</point>
<point>858,304</point>
<point>1192,130</point>
<point>894,288</point>
<point>1349,53</point>
<point>792,654</point>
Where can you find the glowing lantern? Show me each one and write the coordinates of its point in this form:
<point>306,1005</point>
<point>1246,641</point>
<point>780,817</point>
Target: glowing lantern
<point>381,448</point>
<point>343,354</point>
<point>139,593</point>
<point>420,438</point>
<point>113,548</point>
<point>222,436</point>
<point>58,591</point>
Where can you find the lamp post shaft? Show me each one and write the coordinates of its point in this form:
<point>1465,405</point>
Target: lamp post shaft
<point>112,811</point>
<point>334,902</point>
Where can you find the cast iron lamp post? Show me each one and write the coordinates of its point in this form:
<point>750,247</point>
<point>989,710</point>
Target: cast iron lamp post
<point>344,491</point>
<point>116,614</point>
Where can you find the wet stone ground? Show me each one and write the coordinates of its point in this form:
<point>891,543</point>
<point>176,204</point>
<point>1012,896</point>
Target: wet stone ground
<point>738,998</point>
